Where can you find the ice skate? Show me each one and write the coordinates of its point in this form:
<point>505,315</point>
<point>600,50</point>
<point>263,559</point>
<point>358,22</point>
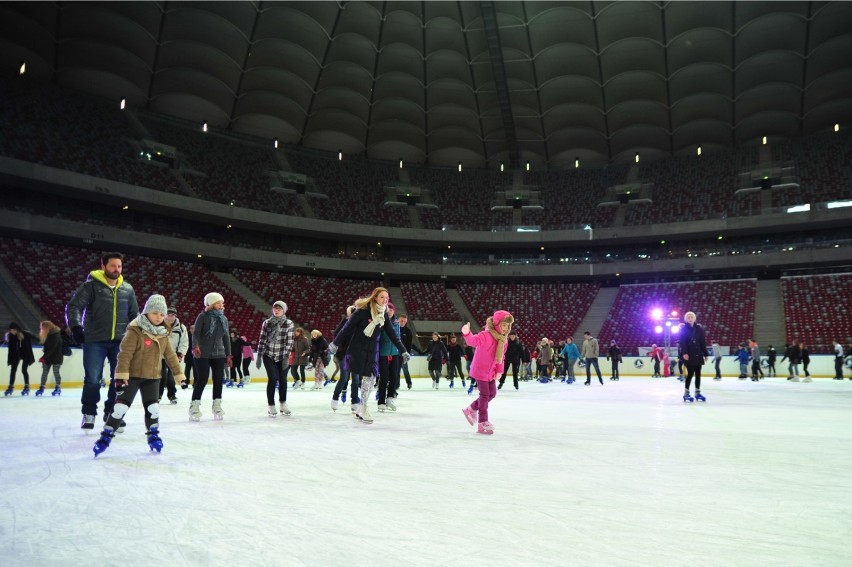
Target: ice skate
<point>103,442</point>
<point>57,391</point>
<point>470,414</point>
<point>88,422</point>
<point>39,392</point>
<point>282,407</point>
<point>470,389</point>
<point>272,411</point>
<point>154,441</point>
<point>795,379</point>
<point>383,408</point>
<point>26,390</point>
<point>229,383</point>
<point>363,414</point>
<point>688,398</point>
<point>9,391</point>
<point>807,379</point>
<point>334,404</point>
<point>391,403</point>
<point>195,410</point>
<point>452,384</point>
<point>699,397</point>
<point>343,398</point>
<point>218,413</point>
<point>485,428</point>
<point>354,408</point>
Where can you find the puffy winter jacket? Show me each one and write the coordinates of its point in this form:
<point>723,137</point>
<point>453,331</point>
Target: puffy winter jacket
<point>141,355</point>
<point>102,311</point>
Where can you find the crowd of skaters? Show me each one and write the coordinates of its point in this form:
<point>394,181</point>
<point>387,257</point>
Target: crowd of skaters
<point>371,348</point>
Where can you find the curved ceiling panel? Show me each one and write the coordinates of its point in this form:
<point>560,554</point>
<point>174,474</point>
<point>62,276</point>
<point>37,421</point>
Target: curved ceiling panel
<point>595,80</point>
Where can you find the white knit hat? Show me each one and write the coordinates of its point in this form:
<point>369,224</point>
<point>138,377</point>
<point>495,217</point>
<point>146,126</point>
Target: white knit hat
<point>155,304</point>
<point>212,298</point>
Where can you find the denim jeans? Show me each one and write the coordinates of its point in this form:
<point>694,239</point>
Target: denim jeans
<point>276,372</point>
<point>340,386</point>
<point>589,363</point>
<point>94,354</point>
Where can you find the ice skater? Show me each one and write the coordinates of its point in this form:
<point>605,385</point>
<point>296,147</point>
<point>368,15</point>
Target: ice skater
<point>488,363</point>
<point>212,354</point>
<point>693,347</point>
<point>273,351</point>
<point>20,352</point>
<point>145,344</point>
<point>52,356</point>
<point>436,353</point>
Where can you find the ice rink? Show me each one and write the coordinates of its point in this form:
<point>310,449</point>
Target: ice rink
<point>623,474</point>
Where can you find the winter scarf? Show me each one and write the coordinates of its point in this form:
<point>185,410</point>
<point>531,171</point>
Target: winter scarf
<point>501,340</point>
<point>150,328</point>
<point>274,325</point>
<point>218,315</point>
<point>378,319</point>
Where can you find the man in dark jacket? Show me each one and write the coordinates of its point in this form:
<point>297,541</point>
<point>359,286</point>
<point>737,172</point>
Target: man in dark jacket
<point>98,315</point>
<point>407,338</point>
<point>513,357</point>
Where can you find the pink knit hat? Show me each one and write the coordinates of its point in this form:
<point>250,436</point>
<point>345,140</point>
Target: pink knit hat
<point>500,315</point>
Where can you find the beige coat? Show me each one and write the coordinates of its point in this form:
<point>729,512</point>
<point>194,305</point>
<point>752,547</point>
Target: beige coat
<point>141,355</point>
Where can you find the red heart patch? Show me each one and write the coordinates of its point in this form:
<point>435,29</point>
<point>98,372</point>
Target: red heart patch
<point>148,342</point>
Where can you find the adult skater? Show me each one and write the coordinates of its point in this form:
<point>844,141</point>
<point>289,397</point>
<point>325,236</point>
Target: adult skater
<point>144,346</point>
<point>514,351</point>
<point>455,354</point>
<point>188,360</point>
<point>407,338</point>
<point>389,363</point>
<point>693,347</point>
<point>344,363</point>
<point>301,351</point>
<point>363,330</point>
<point>717,359</point>
<point>436,353</point>
<point>491,344</point>
<point>98,314</point>
<point>212,354</point>
<point>838,360</point>
<point>572,355</point>
<point>273,351</point>
<point>590,353</point>
<point>52,356</point>
<point>771,355</point>
<point>614,355</point>
<point>20,352</point>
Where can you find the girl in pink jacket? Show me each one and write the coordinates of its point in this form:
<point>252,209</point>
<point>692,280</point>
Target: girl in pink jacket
<point>490,345</point>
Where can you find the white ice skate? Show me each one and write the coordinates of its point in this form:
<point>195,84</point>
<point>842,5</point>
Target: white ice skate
<point>272,411</point>
<point>282,407</point>
<point>195,410</point>
<point>218,413</point>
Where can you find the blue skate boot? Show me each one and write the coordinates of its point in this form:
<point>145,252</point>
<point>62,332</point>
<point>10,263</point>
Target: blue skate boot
<point>102,444</point>
<point>57,391</point>
<point>26,390</point>
<point>699,397</point>
<point>154,441</point>
<point>688,398</point>
<point>40,391</point>
<point>343,398</point>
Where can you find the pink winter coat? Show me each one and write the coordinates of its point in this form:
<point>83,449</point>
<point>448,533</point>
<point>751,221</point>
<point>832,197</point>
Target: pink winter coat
<point>483,366</point>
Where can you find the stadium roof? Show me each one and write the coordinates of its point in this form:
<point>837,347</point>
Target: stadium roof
<point>443,82</point>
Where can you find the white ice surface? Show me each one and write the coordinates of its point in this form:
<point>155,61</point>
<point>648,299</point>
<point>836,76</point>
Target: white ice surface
<point>623,474</point>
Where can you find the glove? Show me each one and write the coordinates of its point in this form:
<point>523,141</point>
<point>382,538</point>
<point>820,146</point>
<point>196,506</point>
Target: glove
<point>466,328</point>
<point>229,361</point>
<point>120,385</point>
<point>332,348</point>
<point>78,335</point>
<point>41,360</point>
<point>196,351</point>
<point>257,363</point>
<point>405,357</point>
<point>180,356</point>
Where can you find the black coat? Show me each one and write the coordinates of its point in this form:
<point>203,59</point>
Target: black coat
<point>693,343</point>
<point>437,352</point>
<point>52,349</point>
<point>20,348</point>
<point>364,350</point>
<point>514,352</point>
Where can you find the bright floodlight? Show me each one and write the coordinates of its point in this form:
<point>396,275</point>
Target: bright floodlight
<point>658,329</point>
<point>668,323</point>
<point>656,314</point>
<point>675,329</point>
<point>674,313</point>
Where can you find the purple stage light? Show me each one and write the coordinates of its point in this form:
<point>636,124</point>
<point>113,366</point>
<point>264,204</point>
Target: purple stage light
<point>656,314</point>
<point>675,329</point>
<point>658,329</point>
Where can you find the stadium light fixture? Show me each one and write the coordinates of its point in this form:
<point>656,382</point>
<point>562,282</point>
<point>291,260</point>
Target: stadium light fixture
<point>764,140</point>
<point>637,157</point>
<point>123,104</point>
<point>837,127</point>
<point>204,126</point>
<point>400,163</point>
<point>656,314</point>
<point>658,329</point>
<point>275,143</point>
<point>460,167</point>
<point>23,68</point>
<point>340,155</point>
<point>576,163</point>
<point>528,165</point>
<point>699,150</point>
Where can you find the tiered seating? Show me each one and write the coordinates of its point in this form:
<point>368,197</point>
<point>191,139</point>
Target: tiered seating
<point>823,166</point>
<point>428,302</point>
<point>816,310</point>
<point>724,308</point>
<point>232,170</point>
<point>65,129</point>
<point>313,302</point>
<point>463,198</point>
<point>52,273</point>
<point>552,310</point>
<point>355,189</point>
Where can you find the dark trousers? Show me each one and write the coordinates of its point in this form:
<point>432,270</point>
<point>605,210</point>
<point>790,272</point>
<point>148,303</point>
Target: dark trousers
<point>276,373</point>
<point>718,369</point>
<point>345,375</point>
<point>167,380</point>
<point>94,354</point>
<point>771,369</point>
<point>203,369</point>
<point>237,369</point>
<point>690,372</point>
<point>838,367</point>
<point>615,369</point>
<point>247,367</point>
<point>149,398</point>
<point>295,370</point>
<point>435,373</point>
<point>656,367</point>
<point>589,363</point>
<point>805,368</point>
<point>408,374</point>
<point>24,370</point>
<point>755,368</point>
<point>388,377</point>
<point>514,373</point>
<point>453,366</point>
<point>188,367</point>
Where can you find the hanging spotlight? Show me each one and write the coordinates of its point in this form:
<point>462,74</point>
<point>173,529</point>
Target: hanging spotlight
<point>460,167</point>
<point>576,163</point>
<point>502,165</point>
<point>340,155</point>
<point>123,104</point>
<point>837,127</point>
<point>699,150</point>
<point>23,68</point>
<point>204,126</point>
<point>637,157</point>
<point>528,165</point>
<point>275,143</point>
<point>764,140</point>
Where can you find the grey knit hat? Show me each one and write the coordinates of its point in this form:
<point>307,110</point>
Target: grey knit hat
<point>155,304</point>
<point>280,304</point>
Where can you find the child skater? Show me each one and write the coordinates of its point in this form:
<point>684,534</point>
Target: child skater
<point>490,344</point>
<point>51,337</point>
<point>145,344</point>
